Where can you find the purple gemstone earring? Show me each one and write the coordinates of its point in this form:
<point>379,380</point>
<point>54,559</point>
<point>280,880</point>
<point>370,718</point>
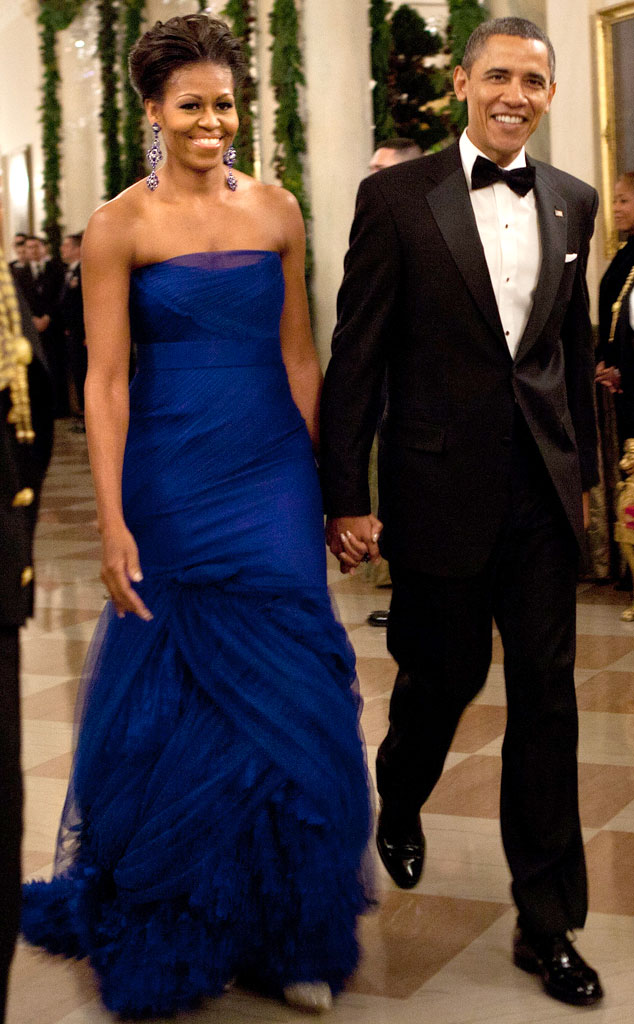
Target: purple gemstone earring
<point>154,156</point>
<point>229,159</point>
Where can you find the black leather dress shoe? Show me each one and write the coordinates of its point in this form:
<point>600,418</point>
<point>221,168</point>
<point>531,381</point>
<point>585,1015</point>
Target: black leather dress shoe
<point>565,975</point>
<point>378,617</point>
<point>401,847</point>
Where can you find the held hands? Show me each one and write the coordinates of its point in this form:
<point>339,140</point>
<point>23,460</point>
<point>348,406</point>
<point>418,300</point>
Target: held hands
<point>610,377</point>
<point>353,539</point>
<point>119,567</point>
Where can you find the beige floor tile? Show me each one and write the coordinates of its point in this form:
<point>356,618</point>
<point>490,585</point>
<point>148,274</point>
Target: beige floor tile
<point>43,740</point>
<point>55,704</point>
<point>412,937</point>
<point>44,989</point>
<point>56,657</point>
<point>610,857</point>
<point>607,691</point>
<point>606,738</point>
<point>43,804</point>
<point>604,791</point>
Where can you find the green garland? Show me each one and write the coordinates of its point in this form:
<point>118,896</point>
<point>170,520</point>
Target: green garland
<point>110,114</point>
<point>133,146</point>
<point>416,91</point>
<point>286,78</point>
<point>464,17</point>
<point>380,46</point>
<point>239,13</point>
<point>53,17</point>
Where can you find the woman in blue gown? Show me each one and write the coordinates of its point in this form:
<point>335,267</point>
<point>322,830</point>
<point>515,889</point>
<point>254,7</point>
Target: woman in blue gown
<point>217,816</point>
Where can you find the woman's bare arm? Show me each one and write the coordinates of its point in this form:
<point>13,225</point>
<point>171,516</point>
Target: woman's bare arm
<point>106,265</point>
<point>298,350</point>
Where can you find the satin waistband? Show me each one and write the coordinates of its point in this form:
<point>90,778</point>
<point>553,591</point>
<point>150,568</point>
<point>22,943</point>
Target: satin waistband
<point>187,355</point>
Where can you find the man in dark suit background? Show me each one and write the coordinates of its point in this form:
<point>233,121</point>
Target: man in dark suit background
<point>465,280</point>
<point>40,280</point>
<point>19,240</point>
<point>25,448</point>
<point>71,309</point>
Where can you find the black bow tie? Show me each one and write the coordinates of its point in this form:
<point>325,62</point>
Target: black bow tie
<point>485,172</point>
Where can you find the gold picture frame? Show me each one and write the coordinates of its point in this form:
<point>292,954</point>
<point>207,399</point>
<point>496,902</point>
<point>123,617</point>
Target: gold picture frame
<point>615,52</point>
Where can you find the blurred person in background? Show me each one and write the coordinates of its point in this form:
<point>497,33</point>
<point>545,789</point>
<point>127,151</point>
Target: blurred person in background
<point>25,445</point>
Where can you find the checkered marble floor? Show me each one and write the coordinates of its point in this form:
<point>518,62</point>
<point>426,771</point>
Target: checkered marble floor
<point>439,954</point>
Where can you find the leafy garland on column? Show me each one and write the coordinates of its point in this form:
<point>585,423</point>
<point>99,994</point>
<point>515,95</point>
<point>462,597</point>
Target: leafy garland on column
<point>416,89</point>
<point>240,14</point>
<point>380,46</point>
<point>54,16</point>
<point>286,78</point>
<point>464,17</point>
<point>133,148</point>
<point>110,114</point>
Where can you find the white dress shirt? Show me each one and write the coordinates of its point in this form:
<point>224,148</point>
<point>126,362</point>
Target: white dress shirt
<point>509,231</point>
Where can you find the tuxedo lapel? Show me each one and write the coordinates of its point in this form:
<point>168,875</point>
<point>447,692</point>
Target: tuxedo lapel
<point>451,208</point>
<point>553,228</point>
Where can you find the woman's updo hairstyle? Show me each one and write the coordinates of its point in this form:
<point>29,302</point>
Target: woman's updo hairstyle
<point>170,45</point>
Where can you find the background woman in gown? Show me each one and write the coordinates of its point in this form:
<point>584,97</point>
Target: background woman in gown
<point>615,380</point>
<point>217,815</point>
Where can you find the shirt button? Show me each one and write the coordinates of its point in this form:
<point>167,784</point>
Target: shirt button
<point>507,333</point>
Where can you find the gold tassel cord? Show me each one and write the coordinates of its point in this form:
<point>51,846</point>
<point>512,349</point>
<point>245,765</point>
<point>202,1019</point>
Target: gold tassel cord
<point>616,308</point>
<point>15,356</point>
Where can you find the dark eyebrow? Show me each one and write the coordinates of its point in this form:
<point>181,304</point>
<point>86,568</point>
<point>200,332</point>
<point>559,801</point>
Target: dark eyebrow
<point>505,71</point>
<point>197,96</point>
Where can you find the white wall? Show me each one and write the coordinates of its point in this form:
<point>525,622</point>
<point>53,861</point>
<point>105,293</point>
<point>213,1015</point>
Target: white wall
<point>20,81</point>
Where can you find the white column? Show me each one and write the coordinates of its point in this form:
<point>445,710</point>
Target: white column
<point>336,44</point>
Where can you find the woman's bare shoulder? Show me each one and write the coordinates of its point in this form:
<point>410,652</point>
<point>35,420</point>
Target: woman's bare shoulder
<point>114,224</point>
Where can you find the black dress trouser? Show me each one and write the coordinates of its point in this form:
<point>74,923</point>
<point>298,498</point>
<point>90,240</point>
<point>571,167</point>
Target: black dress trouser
<point>440,634</point>
<point>10,802</point>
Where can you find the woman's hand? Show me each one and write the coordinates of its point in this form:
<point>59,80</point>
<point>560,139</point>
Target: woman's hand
<point>353,539</point>
<point>119,568</point>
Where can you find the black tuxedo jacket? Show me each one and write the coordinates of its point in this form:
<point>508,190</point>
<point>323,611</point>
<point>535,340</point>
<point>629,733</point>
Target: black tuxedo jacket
<point>71,306</point>
<point>42,294</point>
<point>417,302</point>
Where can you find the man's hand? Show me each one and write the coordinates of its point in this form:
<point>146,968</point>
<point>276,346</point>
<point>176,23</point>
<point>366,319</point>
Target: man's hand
<point>353,539</point>
<point>610,377</point>
<point>41,322</point>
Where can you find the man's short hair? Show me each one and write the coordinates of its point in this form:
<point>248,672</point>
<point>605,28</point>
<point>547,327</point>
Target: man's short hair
<point>399,142</point>
<point>75,237</point>
<point>628,179</point>
<point>505,27</point>
<point>19,234</point>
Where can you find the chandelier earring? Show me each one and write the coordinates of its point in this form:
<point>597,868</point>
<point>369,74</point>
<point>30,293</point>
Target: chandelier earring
<point>229,159</point>
<point>154,156</point>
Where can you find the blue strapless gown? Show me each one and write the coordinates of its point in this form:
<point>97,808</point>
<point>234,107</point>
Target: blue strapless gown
<point>217,815</point>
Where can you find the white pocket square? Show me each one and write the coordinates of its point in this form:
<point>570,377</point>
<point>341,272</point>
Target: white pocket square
<point>570,256</point>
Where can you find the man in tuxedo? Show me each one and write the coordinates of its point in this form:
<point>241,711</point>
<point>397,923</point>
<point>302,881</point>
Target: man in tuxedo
<point>19,240</point>
<point>40,281</point>
<point>71,309</point>
<point>394,151</point>
<point>465,281</point>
